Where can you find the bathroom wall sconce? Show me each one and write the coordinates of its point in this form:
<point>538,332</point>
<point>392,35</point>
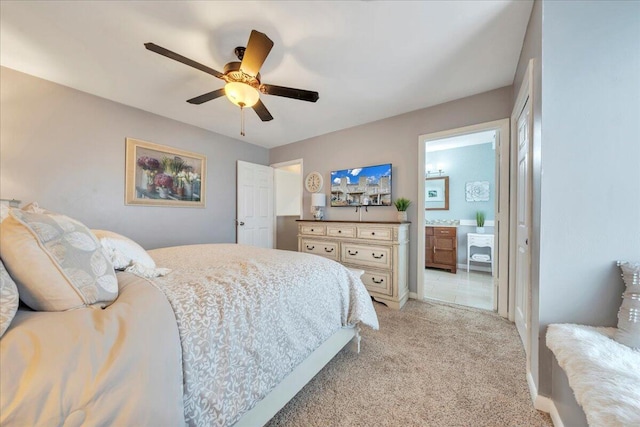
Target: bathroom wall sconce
<point>431,172</point>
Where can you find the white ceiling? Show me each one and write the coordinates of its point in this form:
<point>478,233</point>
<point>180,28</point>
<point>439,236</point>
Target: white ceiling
<point>368,59</point>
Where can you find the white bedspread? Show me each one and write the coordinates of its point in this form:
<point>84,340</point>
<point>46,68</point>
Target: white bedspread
<point>248,316</point>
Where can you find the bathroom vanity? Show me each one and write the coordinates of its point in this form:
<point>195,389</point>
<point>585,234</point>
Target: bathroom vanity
<point>441,247</point>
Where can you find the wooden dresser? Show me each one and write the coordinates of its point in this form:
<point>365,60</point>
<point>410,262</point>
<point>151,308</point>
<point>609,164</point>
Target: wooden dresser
<point>381,249</point>
<point>441,248</point>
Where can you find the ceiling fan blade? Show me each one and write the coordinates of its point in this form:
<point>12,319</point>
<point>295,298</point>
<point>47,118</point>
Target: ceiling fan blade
<point>177,57</point>
<point>258,48</point>
<point>288,92</point>
<point>262,111</point>
<point>206,97</point>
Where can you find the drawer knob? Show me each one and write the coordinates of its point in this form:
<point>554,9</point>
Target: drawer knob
<point>339,231</point>
<point>312,229</point>
<point>352,253</point>
<point>373,279</point>
<point>310,248</point>
<point>328,250</point>
<point>377,257</point>
<point>373,233</point>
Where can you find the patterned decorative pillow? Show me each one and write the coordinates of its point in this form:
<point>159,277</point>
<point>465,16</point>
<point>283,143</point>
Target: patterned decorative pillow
<point>628,332</point>
<point>9,299</point>
<point>56,262</point>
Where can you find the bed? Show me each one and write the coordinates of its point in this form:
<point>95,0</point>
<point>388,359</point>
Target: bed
<point>226,338</point>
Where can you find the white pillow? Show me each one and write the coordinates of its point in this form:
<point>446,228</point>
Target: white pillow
<point>9,299</point>
<point>628,332</point>
<point>123,251</point>
<point>127,255</point>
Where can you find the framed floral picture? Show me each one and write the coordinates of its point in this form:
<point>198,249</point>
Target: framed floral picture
<point>158,175</point>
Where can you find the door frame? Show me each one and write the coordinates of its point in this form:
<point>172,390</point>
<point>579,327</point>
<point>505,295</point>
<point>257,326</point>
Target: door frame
<point>503,145</point>
<point>289,163</point>
<point>275,190</point>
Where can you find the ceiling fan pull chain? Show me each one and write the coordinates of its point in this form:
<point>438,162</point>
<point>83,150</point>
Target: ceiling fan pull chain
<point>242,119</point>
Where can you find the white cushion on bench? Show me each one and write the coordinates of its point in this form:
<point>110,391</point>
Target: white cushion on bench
<point>604,374</point>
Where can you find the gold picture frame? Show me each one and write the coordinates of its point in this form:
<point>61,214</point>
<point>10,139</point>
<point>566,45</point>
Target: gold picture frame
<point>436,193</point>
<point>159,175</point>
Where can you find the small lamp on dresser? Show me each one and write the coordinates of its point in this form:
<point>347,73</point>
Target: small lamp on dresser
<point>318,201</point>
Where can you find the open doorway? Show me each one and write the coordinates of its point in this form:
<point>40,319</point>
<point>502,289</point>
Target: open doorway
<point>459,257</point>
<point>465,216</point>
<point>288,203</point>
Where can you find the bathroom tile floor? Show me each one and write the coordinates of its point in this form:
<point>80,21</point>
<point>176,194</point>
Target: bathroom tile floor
<point>473,289</point>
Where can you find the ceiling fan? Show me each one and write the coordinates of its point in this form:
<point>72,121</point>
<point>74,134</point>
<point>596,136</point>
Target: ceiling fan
<point>243,85</point>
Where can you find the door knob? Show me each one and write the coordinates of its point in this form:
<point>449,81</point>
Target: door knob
<point>240,223</point>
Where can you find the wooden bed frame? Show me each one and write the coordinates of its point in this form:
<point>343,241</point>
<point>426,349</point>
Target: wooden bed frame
<point>264,410</point>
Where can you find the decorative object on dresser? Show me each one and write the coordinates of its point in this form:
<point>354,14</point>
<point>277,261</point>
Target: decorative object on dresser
<point>402,205</point>
<point>381,249</point>
<point>441,248</point>
<point>479,222</point>
<point>318,201</point>
<point>480,241</point>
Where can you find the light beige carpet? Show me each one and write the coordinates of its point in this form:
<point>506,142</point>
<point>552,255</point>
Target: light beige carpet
<point>429,365</point>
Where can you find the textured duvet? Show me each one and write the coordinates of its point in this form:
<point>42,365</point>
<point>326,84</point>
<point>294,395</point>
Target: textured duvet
<point>248,316</point>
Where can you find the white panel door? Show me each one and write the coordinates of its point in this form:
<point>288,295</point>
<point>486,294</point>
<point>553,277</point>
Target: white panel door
<point>523,224</point>
<point>255,221</point>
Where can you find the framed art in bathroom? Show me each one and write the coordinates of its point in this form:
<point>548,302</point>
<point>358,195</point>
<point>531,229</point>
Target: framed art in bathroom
<point>436,194</point>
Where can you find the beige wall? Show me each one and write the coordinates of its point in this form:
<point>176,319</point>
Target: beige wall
<point>393,140</point>
<point>66,149</point>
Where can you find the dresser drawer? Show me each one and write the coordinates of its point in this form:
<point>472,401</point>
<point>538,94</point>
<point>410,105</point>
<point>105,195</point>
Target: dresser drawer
<point>319,247</point>
<point>375,233</point>
<point>378,282</point>
<point>313,230</point>
<point>374,256</point>
<point>341,231</point>
<point>444,231</point>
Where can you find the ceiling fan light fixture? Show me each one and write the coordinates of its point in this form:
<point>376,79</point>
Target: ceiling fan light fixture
<point>241,93</point>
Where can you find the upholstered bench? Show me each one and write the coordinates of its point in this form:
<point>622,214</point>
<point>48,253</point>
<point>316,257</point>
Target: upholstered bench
<point>603,374</point>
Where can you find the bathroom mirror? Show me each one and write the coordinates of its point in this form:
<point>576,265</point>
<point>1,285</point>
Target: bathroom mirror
<point>436,194</point>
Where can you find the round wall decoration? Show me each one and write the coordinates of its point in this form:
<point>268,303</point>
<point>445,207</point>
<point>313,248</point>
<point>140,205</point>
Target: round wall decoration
<point>313,182</point>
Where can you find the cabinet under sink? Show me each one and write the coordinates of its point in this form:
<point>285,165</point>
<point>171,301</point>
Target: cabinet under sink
<point>441,248</point>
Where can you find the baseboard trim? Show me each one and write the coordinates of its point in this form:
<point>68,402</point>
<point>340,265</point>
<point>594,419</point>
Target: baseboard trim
<point>474,268</point>
<point>555,416</point>
<point>413,295</point>
<point>543,403</point>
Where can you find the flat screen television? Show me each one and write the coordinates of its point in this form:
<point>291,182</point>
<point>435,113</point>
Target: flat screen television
<point>366,186</point>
